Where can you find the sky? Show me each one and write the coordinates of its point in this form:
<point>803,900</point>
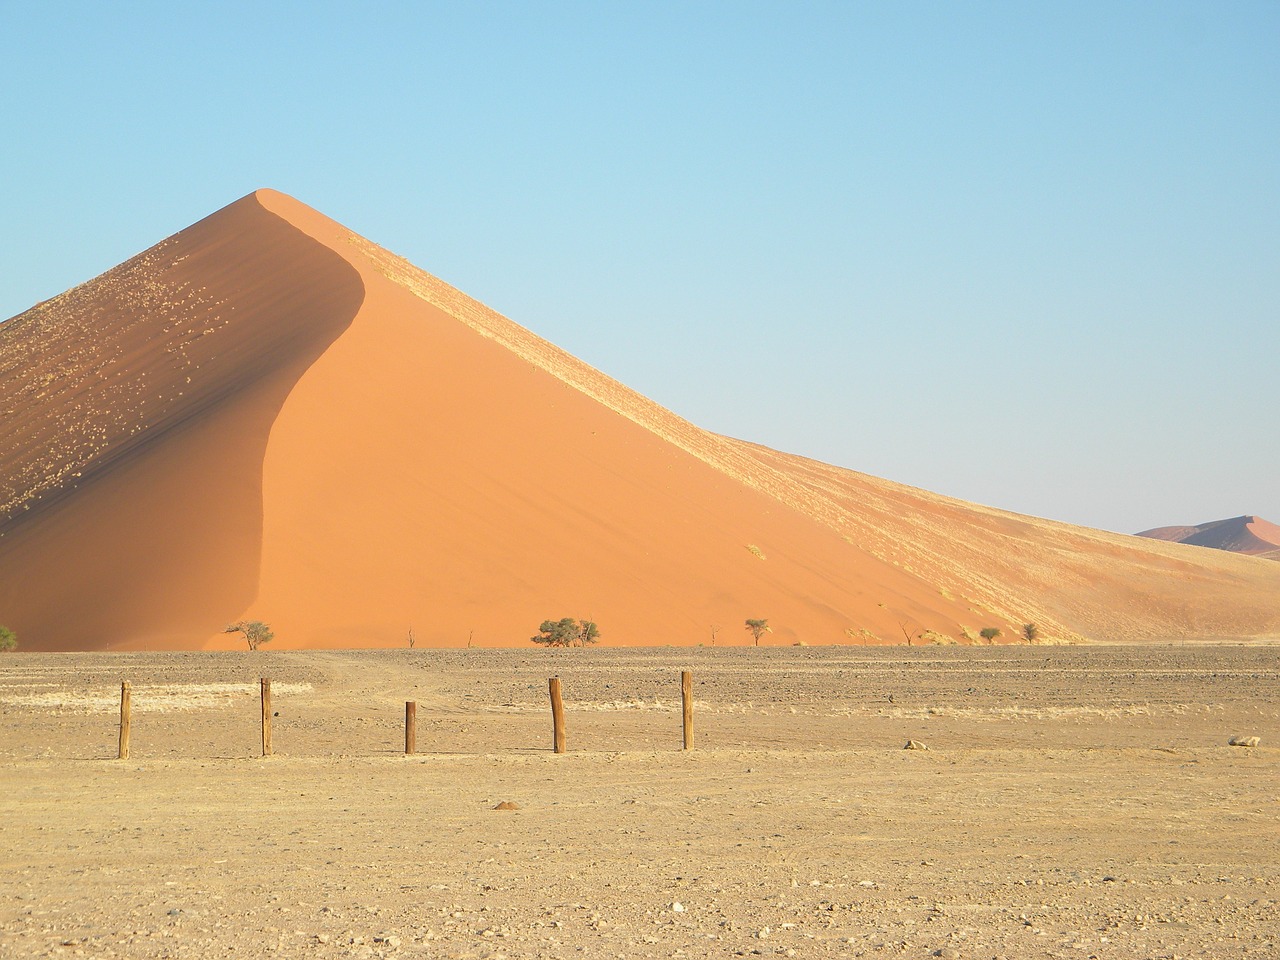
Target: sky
<point>1025,254</point>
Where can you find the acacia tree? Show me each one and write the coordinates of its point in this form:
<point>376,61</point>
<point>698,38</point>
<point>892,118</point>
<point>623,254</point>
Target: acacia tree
<point>8,640</point>
<point>1029,632</point>
<point>567,632</point>
<point>256,633</point>
<point>758,629</point>
<point>989,634</point>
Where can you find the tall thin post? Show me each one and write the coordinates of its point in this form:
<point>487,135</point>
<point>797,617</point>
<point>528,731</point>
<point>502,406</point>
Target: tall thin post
<point>266,717</point>
<point>557,715</point>
<point>410,727</point>
<point>686,698</point>
<point>126,717</point>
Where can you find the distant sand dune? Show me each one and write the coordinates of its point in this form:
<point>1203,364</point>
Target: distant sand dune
<point>267,416</point>
<point>1248,535</point>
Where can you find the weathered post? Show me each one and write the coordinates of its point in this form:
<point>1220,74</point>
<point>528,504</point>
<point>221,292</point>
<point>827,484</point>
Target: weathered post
<point>410,727</point>
<point>557,715</point>
<point>266,717</point>
<point>686,698</point>
<point>126,717</point>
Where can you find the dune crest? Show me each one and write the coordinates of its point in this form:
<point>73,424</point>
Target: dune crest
<point>361,449</point>
<point>136,416</point>
<point>1252,536</point>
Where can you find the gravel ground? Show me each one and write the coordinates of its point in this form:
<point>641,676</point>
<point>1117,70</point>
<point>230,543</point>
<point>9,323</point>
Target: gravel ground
<point>1073,802</point>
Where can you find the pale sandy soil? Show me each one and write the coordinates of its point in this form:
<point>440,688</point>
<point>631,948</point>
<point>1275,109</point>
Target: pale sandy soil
<point>1075,802</point>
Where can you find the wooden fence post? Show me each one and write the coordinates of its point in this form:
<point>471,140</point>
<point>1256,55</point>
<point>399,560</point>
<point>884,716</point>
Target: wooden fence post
<point>410,727</point>
<point>266,717</point>
<point>557,715</point>
<point>126,718</point>
<point>686,699</point>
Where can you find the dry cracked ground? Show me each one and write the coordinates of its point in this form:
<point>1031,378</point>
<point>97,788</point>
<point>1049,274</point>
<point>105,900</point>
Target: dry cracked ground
<point>1074,802</point>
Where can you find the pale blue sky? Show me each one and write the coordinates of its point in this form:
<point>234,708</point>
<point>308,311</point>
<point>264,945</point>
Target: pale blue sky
<point>1026,254</point>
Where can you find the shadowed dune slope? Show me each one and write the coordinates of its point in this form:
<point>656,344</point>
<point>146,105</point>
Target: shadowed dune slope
<point>135,418</point>
<point>1248,535</point>
<point>429,464</point>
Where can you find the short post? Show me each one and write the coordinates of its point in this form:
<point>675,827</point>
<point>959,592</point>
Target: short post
<point>266,717</point>
<point>126,717</point>
<point>557,715</point>
<point>686,698</point>
<point>410,727</point>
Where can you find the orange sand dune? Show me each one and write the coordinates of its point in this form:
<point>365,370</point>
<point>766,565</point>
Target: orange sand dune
<point>1248,535</point>
<point>268,417</point>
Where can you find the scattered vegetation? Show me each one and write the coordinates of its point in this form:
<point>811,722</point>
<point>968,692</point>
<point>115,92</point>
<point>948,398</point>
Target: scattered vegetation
<point>411,638</point>
<point>860,633</point>
<point>1030,632</point>
<point>567,632</point>
<point>8,640</point>
<point>256,633</point>
<point>758,629</point>
<point>756,551</point>
<point>990,634</point>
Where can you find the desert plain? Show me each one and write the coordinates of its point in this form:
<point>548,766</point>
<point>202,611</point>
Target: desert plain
<point>1073,802</point>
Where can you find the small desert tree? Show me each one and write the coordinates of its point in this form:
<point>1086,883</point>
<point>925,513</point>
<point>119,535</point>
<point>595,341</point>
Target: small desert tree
<point>1029,632</point>
<point>989,634</point>
<point>256,633</point>
<point>903,625</point>
<point>411,639</point>
<point>758,629</point>
<point>567,632</point>
<point>8,640</point>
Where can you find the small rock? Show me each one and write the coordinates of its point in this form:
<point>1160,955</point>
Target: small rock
<point>677,907</point>
<point>764,933</point>
<point>507,805</point>
<point>915,745</point>
<point>1244,741</point>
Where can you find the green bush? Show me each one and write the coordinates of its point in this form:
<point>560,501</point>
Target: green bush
<point>567,632</point>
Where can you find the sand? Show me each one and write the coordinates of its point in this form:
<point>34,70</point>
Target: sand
<point>268,417</point>
<point>1074,802</point>
<point>1249,535</point>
